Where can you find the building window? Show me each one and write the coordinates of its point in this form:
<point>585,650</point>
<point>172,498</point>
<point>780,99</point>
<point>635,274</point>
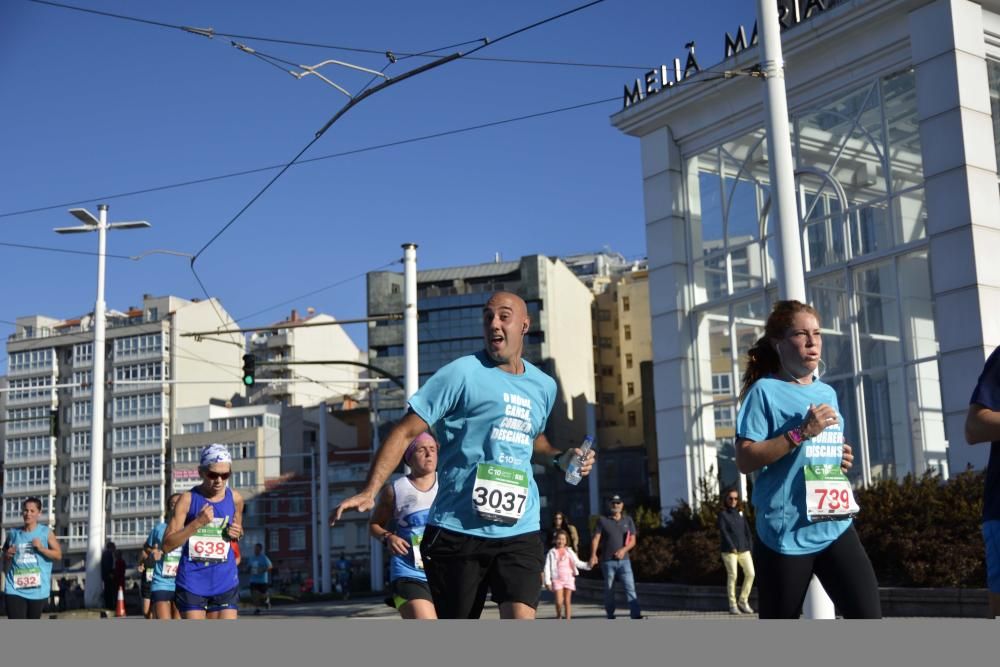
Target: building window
<point>722,384</point>
<point>604,315</point>
<point>628,332</point>
<point>724,416</point>
<point>608,399</point>
<point>274,540</point>
<point>338,537</point>
<point>80,472</point>
<point>631,418</point>
<point>129,468</point>
<point>297,539</point>
<point>628,360</point>
<point>625,303</point>
<point>605,342</point>
<point>244,479</point>
<point>630,388</point>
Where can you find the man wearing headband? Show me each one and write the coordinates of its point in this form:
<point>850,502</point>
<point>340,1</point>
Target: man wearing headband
<point>408,500</point>
<point>488,411</point>
<point>205,521</point>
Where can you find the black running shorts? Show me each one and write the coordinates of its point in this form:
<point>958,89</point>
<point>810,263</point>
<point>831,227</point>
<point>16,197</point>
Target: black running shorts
<point>462,568</point>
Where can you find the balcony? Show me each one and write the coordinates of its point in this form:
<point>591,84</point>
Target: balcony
<point>77,513</point>
<point>28,427</point>
<point>80,421</point>
<point>80,363</point>
<point>16,520</point>
<point>30,489</point>
<point>32,396</point>
<point>79,451</point>
<point>134,509</point>
<point>74,543</point>
<point>144,416</point>
<point>132,479</point>
<point>76,483</point>
<point>142,446</point>
<point>18,458</point>
<point>138,355</point>
<point>34,369</point>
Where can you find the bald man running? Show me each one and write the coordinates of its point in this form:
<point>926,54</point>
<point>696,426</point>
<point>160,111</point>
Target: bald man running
<point>488,411</point>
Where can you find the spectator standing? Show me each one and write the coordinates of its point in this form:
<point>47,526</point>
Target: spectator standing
<point>614,538</point>
<point>737,541</point>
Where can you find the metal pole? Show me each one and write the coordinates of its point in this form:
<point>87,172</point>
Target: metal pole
<point>317,521</point>
<point>324,502</point>
<point>594,478</point>
<point>93,585</point>
<point>411,377</point>
<point>792,282</point>
<point>375,574</point>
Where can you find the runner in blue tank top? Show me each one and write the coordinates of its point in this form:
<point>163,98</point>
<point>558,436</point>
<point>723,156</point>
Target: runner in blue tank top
<point>488,411</point>
<point>205,521</point>
<point>28,554</point>
<point>408,500</point>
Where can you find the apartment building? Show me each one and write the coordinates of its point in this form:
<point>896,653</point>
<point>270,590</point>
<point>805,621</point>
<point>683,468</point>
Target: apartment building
<point>314,338</point>
<point>152,371</point>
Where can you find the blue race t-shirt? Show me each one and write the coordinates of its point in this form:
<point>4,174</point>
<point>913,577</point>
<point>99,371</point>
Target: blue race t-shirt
<point>773,407</point>
<point>481,414</point>
<point>165,569</point>
<point>30,573</point>
<point>259,573</point>
<point>987,394</point>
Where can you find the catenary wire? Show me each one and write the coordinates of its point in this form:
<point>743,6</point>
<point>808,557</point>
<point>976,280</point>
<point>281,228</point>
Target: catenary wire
<point>291,42</point>
<point>330,156</point>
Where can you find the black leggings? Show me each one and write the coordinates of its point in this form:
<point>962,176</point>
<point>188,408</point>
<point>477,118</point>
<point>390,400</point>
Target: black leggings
<point>19,607</point>
<point>843,568</point>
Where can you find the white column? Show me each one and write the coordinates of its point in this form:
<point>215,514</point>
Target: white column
<point>683,453</point>
<point>411,378</point>
<point>791,277</point>
<point>319,522</point>
<point>96,521</point>
<point>963,206</point>
<point>375,574</point>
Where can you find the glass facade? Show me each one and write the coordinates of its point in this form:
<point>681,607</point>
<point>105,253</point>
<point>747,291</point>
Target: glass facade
<point>862,217</point>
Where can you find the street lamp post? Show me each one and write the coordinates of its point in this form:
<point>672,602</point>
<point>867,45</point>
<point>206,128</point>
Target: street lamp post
<point>96,520</point>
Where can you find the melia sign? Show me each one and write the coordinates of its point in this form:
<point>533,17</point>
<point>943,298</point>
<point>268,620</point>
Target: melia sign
<point>790,14</point>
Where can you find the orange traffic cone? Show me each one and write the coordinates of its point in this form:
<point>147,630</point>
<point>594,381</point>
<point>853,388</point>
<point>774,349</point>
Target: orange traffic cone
<point>120,607</point>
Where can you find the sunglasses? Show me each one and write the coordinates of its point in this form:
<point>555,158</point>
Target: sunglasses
<point>733,498</point>
<point>217,475</point>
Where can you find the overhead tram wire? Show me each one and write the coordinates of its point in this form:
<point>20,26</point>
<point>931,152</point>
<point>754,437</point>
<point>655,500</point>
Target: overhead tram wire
<point>317,291</point>
<point>331,156</point>
<point>42,248</point>
<point>209,32</point>
<point>354,101</point>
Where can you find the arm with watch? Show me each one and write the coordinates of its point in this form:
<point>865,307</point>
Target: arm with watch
<point>546,454</point>
<point>751,455</point>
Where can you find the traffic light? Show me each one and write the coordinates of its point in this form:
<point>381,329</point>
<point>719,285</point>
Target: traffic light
<point>249,362</point>
<point>54,423</point>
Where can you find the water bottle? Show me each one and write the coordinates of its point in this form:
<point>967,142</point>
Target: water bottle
<point>573,469</point>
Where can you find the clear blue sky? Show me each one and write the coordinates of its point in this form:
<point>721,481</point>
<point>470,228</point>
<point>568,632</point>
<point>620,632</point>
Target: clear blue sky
<point>95,106</point>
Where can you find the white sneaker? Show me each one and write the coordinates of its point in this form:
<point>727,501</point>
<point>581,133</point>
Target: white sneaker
<point>735,611</point>
<point>745,607</point>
